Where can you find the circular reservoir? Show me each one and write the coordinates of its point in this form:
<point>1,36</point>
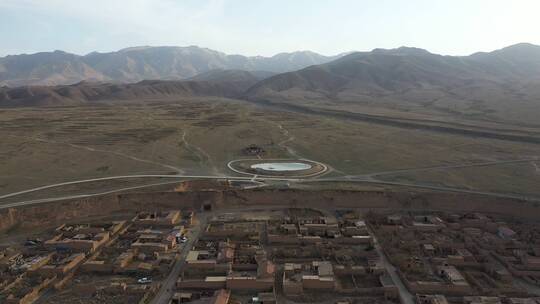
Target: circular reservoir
<point>280,167</point>
<point>277,167</point>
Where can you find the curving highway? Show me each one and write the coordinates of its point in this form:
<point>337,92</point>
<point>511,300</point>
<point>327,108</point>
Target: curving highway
<point>261,180</point>
<point>251,179</point>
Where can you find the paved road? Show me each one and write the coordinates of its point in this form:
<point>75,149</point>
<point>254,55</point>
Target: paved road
<point>103,179</point>
<point>404,294</point>
<point>258,179</point>
<point>168,286</point>
<point>366,178</point>
<point>45,200</point>
<point>182,177</point>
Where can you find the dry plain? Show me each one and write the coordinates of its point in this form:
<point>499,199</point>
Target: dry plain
<point>198,136</point>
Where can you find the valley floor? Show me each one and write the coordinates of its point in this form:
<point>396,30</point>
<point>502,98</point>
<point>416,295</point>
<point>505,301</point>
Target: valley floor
<point>199,136</point>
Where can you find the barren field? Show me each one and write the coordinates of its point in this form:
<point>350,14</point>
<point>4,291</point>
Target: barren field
<point>519,178</point>
<point>198,136</point>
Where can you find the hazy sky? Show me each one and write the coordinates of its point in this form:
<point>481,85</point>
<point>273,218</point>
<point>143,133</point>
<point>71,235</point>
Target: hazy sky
<point>267,27</point>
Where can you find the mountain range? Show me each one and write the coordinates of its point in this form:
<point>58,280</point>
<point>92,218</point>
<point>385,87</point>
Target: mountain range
<point>499,85</point>
<point>404,69</point>
<point>140,63</point>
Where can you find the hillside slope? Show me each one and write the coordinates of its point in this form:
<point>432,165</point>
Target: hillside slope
<point>83,92</point>
<point>502,84</point>
<point>239,80</point>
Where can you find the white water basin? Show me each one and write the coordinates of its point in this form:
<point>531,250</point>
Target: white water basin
<point>280,167</point>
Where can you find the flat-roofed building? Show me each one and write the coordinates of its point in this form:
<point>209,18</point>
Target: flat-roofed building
<point>158,219</point>
<point>431,299</point>
<point>452,275</point>
<point>481,300</point>
<point>61,264</point>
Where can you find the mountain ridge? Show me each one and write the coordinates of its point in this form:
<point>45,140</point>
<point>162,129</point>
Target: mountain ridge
<point>140,63</point>
<point>387,68</point>
<point>502,85</point>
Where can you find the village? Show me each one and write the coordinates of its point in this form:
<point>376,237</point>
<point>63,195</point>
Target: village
<point>278,255</point>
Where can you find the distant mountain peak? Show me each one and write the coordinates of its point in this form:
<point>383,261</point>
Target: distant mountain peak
<point>521,46</point>
<point>512,49</point>
<point>521,49</point>
<point>403,50</point>
<point>134,48</point>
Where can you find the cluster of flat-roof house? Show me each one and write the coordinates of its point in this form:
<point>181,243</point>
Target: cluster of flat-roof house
<point>313,253</point>
<point>141,245</point>
<point>298,254</point>
<point>462,258</point>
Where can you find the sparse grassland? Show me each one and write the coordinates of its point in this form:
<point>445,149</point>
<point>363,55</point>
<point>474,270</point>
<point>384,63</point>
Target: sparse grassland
<point>522,178</point>
<point>42,146</point>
